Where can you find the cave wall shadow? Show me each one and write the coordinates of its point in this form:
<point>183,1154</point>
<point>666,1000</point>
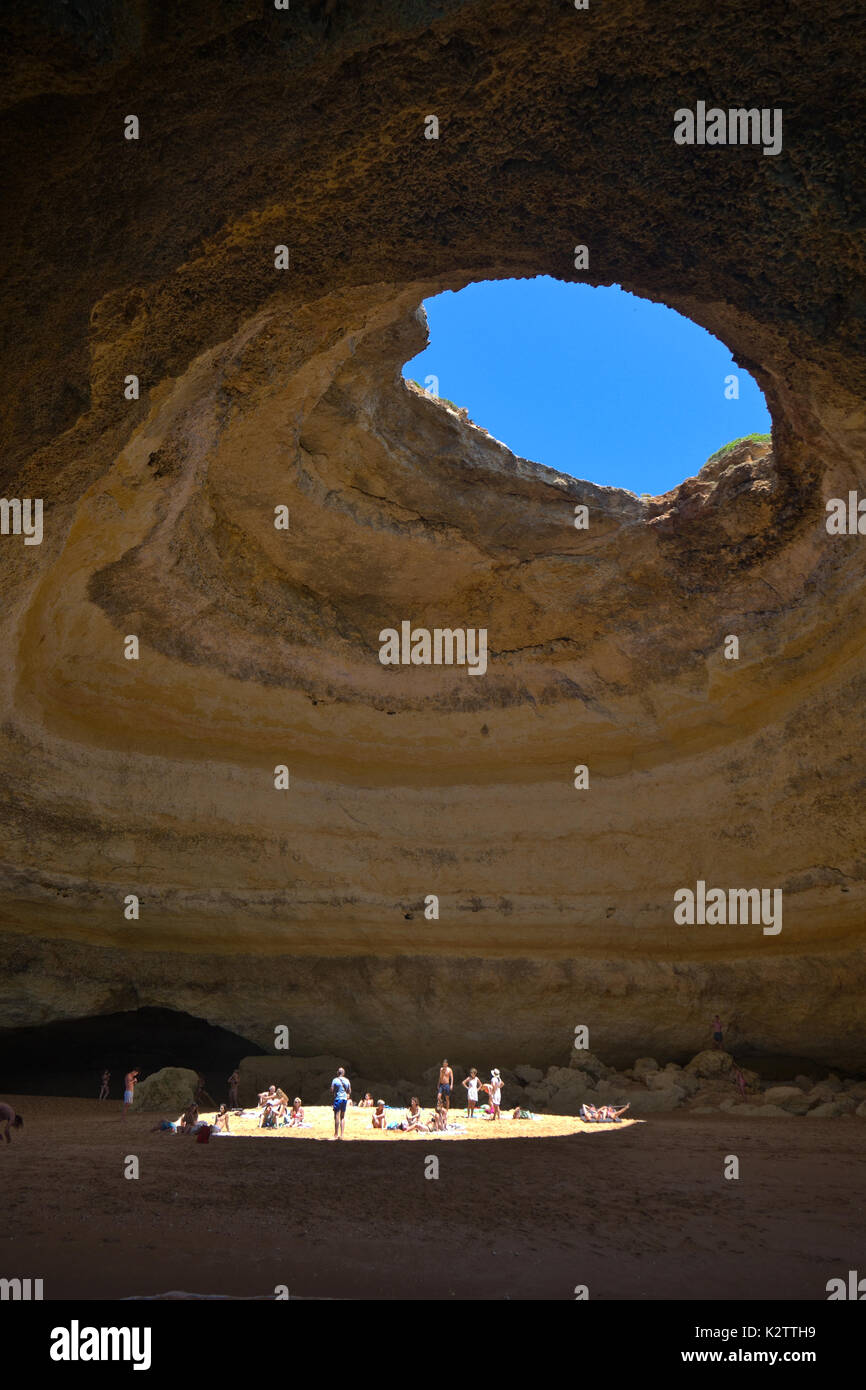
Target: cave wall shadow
<point>67,1058</point>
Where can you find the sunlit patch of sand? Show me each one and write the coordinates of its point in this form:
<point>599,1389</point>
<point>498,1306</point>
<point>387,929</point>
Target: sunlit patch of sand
<point>320,1121</point>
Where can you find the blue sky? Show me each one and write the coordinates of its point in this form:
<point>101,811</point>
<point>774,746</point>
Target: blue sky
<point>594,382</point>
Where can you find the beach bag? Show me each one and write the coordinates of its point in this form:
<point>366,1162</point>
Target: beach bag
<point>203,1136</point>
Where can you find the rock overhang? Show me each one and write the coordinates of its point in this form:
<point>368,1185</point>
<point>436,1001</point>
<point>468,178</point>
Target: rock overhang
<point>261,648</point>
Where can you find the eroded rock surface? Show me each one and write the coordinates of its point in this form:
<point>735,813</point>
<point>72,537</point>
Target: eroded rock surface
<point>260,647</point>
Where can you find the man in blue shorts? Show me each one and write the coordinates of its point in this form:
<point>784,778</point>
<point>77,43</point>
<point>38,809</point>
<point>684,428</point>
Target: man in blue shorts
<point>341,1090</point>
<point>446,1081</point>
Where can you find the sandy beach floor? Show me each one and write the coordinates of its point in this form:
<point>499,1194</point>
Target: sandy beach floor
<point>359,1126</point>
<point>639,1211</point>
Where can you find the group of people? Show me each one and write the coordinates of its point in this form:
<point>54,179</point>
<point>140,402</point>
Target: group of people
<point>413,1120</point>
<point>190,1122</point>
<point>274,1109</point>
<point>602,1114</point>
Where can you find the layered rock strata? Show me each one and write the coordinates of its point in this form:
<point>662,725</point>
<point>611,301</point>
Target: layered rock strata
<point>259,647</point>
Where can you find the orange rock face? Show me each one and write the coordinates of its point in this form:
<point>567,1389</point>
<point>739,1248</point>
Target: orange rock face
<point>259,645</point>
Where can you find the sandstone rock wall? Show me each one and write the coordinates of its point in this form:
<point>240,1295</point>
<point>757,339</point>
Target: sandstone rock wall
<point>259,647</point>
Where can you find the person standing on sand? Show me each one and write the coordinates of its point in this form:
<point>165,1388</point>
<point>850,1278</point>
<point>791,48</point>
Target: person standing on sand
<point>717,1031</point>
<point>446,1081</point>
<point>471,1082</point>
<point>7,1118</point>
<point>233,1089</point>
<point>129,1089</point>
<point>494,1090</point>
<point>341,1090</point>
<point>103,1090</point>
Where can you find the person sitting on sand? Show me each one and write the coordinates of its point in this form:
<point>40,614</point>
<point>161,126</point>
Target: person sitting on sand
<point>189,1119</point>
<point>379,1117</point>
<point>271,1112</point>
<point>439,1118</point>
<point>8,1117</point>
<point>295,1117</point>
<point>282,1103</point>
<point>367,1103</point>
<point>268,1095</point>
<point>471,1082</point>
<point>221,1120</point>
<point>413,1119</point>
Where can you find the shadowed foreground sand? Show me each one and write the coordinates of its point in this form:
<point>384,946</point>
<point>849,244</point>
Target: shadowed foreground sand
<point>642,1211</point>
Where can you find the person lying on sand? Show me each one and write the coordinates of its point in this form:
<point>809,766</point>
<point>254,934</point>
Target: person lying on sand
<point>610,1112</point>
<point>413,1119</point>
<point>378,1117</point>
<point>295,1117</point>
<point>7,1118</point>
<point>589,1113</point>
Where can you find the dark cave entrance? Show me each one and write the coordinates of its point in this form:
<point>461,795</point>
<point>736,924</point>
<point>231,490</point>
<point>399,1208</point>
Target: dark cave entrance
<point>67,1058</point>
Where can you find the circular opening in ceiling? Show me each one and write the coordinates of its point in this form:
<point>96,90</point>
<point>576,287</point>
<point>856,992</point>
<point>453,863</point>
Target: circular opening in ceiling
<point>593,382</point>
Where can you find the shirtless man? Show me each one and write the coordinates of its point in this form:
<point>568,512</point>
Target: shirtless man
<point>129,1089</point>
<point>446,1082</point>
<point>7,1118</point>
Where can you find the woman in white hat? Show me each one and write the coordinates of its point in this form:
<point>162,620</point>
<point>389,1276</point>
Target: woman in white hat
<point>494,1090</point>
